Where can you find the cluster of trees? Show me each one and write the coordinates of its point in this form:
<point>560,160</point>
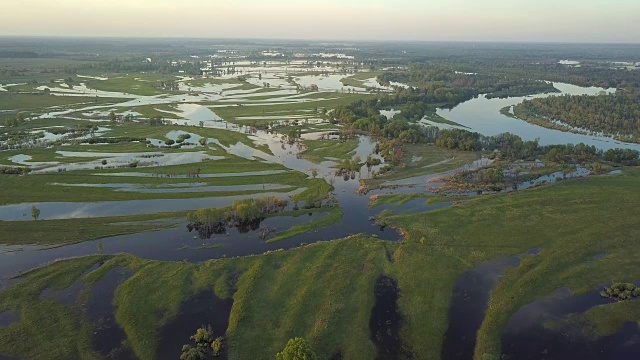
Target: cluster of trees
<point>4,170</point>
<point>183,137</point>
<point>349,168</point>
<point>587,74</point>
<point>612,114</point>
<point>206,345</point>
<point>244,214</point>
<point>297,349</point>
<point>621,291</point>
<point>16,121</point>
<point>623,156</point>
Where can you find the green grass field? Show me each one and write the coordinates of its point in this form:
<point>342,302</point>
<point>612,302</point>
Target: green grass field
<point>324,291</point>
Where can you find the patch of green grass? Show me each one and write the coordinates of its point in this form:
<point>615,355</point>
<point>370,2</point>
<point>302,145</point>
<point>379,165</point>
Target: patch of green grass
<point>45,187</point>
<point>230,113</point>
<point>40,124</point>
<point>333,216</point>
<point>146,85</point>
<point>52,233</point>
<point>37,103</point>
<point>602,320</point>
<point>398,199</point>
<point>319,150</point>
<point>226,137</point>
<point>434,117</point>
<point>358,79</point>
<point>316,191</point>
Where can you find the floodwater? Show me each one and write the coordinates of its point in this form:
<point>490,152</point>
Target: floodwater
<point>529,336</point>
<point>469,304</point>
<point>203,309</point>
<point>108,337</point>
<point>8,317</point>
<point>74,210</point>
<point>483,115</point>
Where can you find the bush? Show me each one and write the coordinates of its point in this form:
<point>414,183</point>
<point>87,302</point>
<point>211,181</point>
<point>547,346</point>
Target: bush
<point>297,349</point>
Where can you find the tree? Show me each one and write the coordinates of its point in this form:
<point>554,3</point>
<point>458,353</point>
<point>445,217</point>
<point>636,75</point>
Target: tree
<point>297,349</point>
<point>192,353</point>
<point>35,212</point>
<point>216,346</point>
<point>314,173</point>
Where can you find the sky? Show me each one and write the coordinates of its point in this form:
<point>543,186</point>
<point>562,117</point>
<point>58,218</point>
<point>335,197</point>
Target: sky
<point>591,21</point>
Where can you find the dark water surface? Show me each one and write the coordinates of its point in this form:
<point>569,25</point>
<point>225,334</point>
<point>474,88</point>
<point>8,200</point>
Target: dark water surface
<point>203,309</point>
<point>109,339</point>
<point>469,304</point>
<point>386,320</point>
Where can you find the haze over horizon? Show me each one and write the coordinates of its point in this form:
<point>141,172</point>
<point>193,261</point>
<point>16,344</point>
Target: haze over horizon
<point>592,21</point>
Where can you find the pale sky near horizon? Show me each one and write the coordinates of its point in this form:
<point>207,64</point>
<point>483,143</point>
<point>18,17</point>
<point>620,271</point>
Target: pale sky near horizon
<point>439,20</point>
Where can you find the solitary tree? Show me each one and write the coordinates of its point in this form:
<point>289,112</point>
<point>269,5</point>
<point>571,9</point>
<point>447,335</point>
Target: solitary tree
<point>297,349</point>
<point>35,212</point>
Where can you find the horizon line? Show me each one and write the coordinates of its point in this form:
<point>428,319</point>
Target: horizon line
<point>117,37</point>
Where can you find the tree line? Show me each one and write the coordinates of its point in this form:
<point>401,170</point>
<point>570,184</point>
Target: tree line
<point>616,114</point>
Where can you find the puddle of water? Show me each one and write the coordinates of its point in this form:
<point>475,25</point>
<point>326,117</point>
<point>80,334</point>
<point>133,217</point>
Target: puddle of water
<point>534,251</point>
<point>386,320</point>
<point>205,308</point>
<point>108,337</point>
<point>9,317</point>
<point>468,306</point>
<point>68,296</point>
